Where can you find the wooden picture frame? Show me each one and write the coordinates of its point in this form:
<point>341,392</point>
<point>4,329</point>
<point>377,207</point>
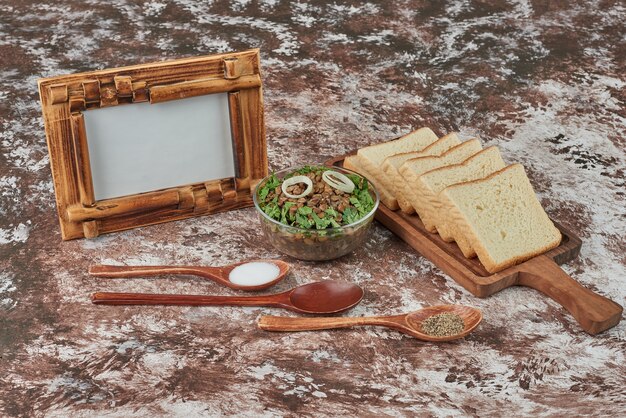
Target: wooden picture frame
<point>65,98</point>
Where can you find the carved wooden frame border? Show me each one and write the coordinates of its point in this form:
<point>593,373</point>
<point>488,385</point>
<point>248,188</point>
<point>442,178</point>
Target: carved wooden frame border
<point>64,98</point>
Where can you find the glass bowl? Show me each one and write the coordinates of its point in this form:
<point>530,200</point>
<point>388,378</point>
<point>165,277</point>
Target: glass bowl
<point>315,244</point>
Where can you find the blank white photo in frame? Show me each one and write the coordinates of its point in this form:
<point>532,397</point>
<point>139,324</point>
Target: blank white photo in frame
<point>145,147</point>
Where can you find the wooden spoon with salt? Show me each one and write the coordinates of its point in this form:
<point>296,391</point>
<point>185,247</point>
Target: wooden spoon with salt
<point>223,275</point>
<point>410,323</point>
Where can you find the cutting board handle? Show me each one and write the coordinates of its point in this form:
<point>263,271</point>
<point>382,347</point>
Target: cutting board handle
<point>593,312</point>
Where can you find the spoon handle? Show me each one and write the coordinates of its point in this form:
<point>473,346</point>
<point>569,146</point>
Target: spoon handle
<point>102,270</point>
<point>106,298</point>
<point>282,323</point>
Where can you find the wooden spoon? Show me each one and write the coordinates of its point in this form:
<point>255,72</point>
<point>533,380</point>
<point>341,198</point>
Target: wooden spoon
<point>410,323</point>
<point>323,297</point>
<point>217,274</point>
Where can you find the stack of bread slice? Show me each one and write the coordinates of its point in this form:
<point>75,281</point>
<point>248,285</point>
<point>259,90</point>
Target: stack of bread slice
<point>369,161</point>
<point>391,166</point>
<point>463,192</point>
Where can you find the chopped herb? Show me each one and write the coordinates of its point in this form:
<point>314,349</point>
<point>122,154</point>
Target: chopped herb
<point>334,223</point>
<point>331,212</point>
<point>285,215</point>
<point>272,210</point>
<point>320,223</point>
<point>303,221</point>
<point>305,210</point>
<point>357,180</point>
<point>350,215</point>
<point>271,184</point>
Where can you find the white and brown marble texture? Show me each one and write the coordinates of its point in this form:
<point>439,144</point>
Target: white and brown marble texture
<point>544,80</point>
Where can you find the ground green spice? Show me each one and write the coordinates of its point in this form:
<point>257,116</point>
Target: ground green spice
<point>443,325</point>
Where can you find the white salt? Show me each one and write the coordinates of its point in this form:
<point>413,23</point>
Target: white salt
<point>255,273</point>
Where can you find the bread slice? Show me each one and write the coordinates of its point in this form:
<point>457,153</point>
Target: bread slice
<point>501,218</point>
<point>430,184</point>
<point>412,169</point>
<point>371,158</point>
<point>393,163</point>
<point>352,163</point>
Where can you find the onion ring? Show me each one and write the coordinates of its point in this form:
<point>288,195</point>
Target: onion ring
<point>338,180</point>
<point>295,180</point>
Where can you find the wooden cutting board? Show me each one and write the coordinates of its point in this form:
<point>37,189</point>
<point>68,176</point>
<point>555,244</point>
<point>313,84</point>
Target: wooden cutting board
<point>593,312</point>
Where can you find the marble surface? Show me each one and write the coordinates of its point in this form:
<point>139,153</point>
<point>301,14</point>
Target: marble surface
<point>542,80</point>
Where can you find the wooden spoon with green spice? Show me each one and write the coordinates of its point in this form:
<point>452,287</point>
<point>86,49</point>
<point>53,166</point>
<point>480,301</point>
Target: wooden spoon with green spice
<point>420,324</point>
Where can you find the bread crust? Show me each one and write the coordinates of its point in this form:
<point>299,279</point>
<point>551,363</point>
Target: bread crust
<point>352,163</point>
<point>420,131</point>
<point>397,181</point>
<point>413,193</point>
<point>454,218</point>
<point>402,190</point>
<point>434,218</point>
<point>422,135</point>
<point>376,173</point>
<point>463,226</point>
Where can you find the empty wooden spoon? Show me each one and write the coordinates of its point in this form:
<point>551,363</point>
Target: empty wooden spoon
<point>219,275</point>
<point>410,323</point>
<point>323,297</point>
